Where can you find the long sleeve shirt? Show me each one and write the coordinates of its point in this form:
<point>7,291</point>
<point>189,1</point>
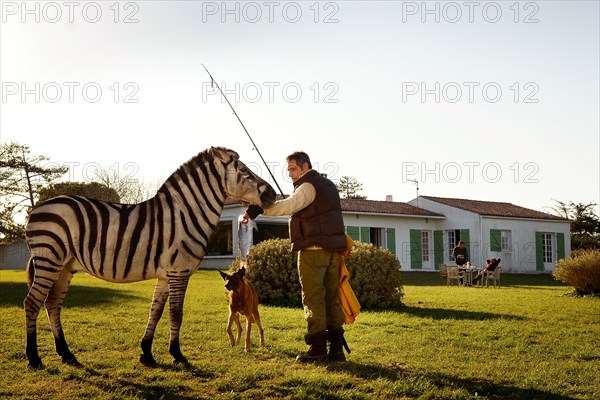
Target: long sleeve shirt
<point>304,195</point>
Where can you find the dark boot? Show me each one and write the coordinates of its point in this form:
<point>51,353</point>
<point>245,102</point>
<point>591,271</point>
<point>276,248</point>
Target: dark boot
<point>337,344</point>
<point>318,348</point>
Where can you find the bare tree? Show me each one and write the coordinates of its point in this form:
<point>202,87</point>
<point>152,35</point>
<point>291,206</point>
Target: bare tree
<point>22,176</point>
<point>130,190</point>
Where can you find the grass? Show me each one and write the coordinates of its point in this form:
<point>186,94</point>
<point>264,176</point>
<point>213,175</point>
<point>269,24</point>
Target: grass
<point>524,340</point>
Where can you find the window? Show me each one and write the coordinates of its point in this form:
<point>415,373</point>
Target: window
<point>380,237</point>
<point>547,247</point>
<point>425,245</point>
<point>270,231</point>
<point>377,237</point>
<point>221,243</point>
<point>506,240</point>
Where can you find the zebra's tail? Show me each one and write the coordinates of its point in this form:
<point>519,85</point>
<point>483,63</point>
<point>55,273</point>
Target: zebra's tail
<point>30,272</point>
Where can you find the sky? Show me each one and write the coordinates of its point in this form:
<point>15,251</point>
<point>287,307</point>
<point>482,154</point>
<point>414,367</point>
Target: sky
<point>495,101</point>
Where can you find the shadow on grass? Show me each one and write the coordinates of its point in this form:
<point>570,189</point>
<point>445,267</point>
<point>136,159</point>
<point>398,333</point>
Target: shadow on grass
<point>13,294</point>
<point>442,313</point>
<point>108,383</point>
<point>475,386</point>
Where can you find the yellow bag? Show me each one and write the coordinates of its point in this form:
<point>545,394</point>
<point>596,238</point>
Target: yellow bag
<point>347,298</point>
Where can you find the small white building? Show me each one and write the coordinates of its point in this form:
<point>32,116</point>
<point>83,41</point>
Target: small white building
<point>423,237</point>
<point>527,241</point>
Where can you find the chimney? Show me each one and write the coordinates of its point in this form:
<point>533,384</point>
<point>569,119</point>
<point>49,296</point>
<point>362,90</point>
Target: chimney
<point>389,198</point>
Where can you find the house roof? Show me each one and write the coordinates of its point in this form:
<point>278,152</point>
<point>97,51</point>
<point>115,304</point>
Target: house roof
<point>385,207</point>
<point>371,207</point>
<point>494,209</point>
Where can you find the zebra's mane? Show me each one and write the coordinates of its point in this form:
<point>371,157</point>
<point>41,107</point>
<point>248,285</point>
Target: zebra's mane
<point>200,158</point>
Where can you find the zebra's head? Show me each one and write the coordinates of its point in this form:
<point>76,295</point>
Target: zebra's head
<point>240,182</point>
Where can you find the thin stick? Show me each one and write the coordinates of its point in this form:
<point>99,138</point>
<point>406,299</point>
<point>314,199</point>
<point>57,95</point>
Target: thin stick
<point>246,130</point>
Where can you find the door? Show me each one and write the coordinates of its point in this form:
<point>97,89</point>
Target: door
<point>427,250</point>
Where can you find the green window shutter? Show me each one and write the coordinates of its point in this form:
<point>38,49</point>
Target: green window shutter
<point>495,240</point>
<point>438,248</point>
<point>416,255</point>
<point>365,234</point>
<point>353,232</point>
<point>391,239</point>
<point>560,246</point>
<point>465,237</point>
<point>539,251</point>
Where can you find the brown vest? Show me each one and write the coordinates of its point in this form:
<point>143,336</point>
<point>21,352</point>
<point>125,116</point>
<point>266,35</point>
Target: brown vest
<point>320,223</point>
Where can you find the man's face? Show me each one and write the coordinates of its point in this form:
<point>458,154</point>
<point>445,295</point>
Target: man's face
<point>295,171</point>
<point>461,246</point>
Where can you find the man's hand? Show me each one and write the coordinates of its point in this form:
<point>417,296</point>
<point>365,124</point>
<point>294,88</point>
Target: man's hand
<point>252,212</point>
<point>245,218</point>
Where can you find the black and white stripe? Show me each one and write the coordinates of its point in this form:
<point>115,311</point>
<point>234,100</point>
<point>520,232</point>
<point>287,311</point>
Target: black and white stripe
<point>164,237</point>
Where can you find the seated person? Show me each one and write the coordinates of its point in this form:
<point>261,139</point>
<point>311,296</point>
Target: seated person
<point>489,267</point>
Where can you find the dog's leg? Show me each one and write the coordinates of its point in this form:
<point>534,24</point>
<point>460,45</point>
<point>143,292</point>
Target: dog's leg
<point>248,330</point>
<point>260,329</point>
<point>228,330</point>
<point>239,328</point>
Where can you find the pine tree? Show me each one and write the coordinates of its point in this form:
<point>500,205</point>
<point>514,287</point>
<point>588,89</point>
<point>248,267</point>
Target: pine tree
<point>348,187</point>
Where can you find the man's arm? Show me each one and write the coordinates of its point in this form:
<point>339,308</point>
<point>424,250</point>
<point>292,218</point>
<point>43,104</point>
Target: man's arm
<point>303,196</point>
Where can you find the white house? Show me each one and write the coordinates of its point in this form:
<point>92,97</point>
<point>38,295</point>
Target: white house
<point>526,240</point>
<point>423,237</point>
<point>386,224</point>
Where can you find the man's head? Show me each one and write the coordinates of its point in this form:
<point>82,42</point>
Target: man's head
<point>298,164</point>
<point>461,244</point>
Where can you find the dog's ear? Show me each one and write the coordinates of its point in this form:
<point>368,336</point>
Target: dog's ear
<point>242,272</point>
<point>224,275</point>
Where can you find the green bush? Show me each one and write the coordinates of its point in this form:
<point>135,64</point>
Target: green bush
<point>582,271</point>
<point>374,274</point>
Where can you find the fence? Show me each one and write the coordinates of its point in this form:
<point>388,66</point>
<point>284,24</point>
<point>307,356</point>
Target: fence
<point>14,255</point>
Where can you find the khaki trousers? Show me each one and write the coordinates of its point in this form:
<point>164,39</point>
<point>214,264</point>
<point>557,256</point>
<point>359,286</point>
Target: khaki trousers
<point>319,275</point>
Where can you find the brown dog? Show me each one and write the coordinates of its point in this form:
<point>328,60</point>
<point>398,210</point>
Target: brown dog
<point>242,300</point>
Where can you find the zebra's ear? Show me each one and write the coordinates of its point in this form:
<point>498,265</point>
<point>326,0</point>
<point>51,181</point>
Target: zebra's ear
<point>224,275</point>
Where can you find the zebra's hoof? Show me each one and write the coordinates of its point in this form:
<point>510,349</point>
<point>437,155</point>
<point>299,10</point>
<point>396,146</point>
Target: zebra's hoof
<point>71,360</point>
<point>181,360</point>
<point>148,361</point>
<point>35,364</point>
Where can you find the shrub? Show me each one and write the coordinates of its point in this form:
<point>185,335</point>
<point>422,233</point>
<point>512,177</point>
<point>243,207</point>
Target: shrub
<point>582,271</point>
<point>374,274</point>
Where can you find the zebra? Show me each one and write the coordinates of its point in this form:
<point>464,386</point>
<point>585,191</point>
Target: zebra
<point>164,237</point>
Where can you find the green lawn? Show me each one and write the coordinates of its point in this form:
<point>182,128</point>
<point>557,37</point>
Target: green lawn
<point>522,340</point>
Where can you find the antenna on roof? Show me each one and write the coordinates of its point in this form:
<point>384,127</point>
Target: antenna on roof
<point>417,183</point>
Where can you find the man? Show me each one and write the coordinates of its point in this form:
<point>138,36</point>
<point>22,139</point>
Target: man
<point>317,233</point>
<point>461,257</point>
<point>489,267</point>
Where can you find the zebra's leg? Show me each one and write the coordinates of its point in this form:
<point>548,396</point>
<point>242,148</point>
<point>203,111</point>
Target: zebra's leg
<point>53,304</point>
<point>177,287</point>
<point>161,294</point>
<point>41,284</point>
